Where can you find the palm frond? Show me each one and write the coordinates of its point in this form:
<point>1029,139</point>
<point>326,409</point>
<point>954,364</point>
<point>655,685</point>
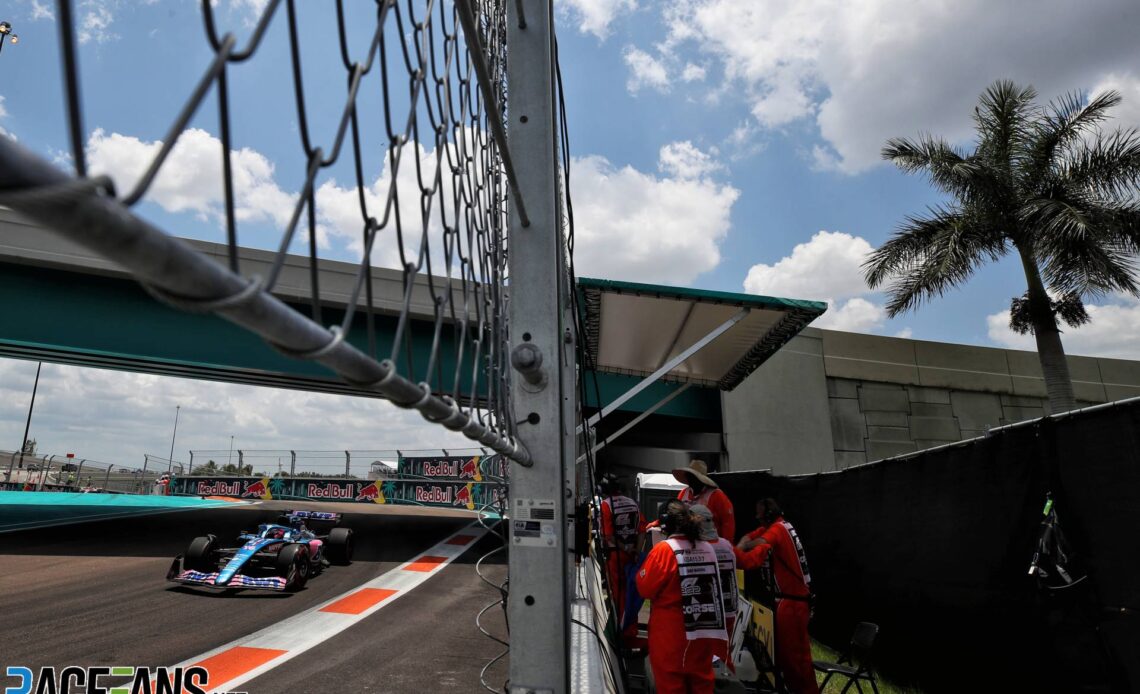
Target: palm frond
<point>1085,247</point>
<point>928,256</point>
<point>1110,165</point>
<point>1004,120</point>
<point>1065,121</point>
<point>1068,308</point>
<point>949,169</point>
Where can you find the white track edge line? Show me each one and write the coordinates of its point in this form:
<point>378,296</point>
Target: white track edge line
<point>292,653</point>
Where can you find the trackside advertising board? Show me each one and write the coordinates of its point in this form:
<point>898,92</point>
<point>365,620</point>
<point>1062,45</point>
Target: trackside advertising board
<point>471,495</point>
<point>477,468</point>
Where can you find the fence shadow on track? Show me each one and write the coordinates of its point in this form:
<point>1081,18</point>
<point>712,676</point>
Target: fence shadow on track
<point>379,537</point>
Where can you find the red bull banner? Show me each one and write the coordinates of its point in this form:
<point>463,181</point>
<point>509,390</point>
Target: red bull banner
<point>476,468</point>
<point>472,495</point>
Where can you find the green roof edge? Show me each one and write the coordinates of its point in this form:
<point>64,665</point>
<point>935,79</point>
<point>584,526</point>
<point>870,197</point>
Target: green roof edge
<point>750,300</point>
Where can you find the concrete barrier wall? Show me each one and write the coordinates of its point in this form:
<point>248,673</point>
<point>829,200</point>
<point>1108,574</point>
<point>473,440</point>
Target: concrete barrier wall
<point>829,400</point>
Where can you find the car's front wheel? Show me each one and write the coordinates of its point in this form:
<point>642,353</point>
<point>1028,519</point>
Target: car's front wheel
<point>200,554</point>
<point>293,564</point>
<point>340,545</point>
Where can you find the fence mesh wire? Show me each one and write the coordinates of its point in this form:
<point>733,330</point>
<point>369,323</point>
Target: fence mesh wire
<point>439,70</point>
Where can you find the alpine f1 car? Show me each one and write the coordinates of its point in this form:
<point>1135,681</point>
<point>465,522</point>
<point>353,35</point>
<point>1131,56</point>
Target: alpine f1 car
<point>279,556</point>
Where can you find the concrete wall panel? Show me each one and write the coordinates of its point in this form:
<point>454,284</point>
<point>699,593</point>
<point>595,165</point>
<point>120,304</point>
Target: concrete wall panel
<point>866,397</point>
<point>842,388</point>
<point>897,434</point>
<point>887,419</point>
<point>981,411</point>
<point>960,357</point>
<point>984,381</point>
<point>926,409</point>
<point>1119,372</point>
<point>877,450</point>
<point>848,428</point>
<point>1029,386</point>
<point>1113,393</point>
<point>936,396</point>
<point>940,428</point>
<point>1020,414</point>
<point>778,417</point>
<point>883,398</point>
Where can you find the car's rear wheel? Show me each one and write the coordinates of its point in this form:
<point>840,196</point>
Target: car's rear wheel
<point>200,554</point>
<point>293,564</point>
<point>340,545</point>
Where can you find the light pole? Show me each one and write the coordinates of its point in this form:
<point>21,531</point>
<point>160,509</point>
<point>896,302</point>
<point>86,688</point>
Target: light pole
<point>24,443</point>
<point>5,32</point>
<point>170,465</point>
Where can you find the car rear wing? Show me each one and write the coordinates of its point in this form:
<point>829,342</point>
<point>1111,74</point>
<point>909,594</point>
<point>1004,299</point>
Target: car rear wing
<point>318,516</point>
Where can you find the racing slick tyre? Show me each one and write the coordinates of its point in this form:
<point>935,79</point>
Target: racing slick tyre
<point>340,545</point>
<point>293,565</point>
<point>200,554</point>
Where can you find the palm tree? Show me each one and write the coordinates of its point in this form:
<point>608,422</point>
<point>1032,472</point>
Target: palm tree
<point>1043,182</point>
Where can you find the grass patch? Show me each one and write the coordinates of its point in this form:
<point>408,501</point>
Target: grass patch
<point>837,682</point>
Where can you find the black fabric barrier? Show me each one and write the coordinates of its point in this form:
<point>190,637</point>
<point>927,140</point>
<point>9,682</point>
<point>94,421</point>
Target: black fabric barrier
<point>935,548</point>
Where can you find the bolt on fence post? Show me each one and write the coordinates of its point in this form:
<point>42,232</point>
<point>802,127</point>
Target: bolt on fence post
<point>540,567</point>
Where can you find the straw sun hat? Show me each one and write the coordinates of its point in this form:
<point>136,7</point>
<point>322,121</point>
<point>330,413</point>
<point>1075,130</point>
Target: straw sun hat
<point>697,469</point>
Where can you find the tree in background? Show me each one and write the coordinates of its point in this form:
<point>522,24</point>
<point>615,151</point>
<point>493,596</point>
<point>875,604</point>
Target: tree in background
<point>1044,182</point>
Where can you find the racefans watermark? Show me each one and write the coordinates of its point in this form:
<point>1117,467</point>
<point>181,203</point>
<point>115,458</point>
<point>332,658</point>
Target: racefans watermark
<point>142,680</point>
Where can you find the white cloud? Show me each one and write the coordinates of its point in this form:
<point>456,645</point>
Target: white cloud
<point>1114,331</point>
<point>338,212</point>
<point>693,73</point>
<point>1127,114</point>
<point>868,70</point>
<point>4,114</point>
<point>42,10</point>
<point>95,22</point>
<point>636,226</point>
<point>594,16</point>
<point>645,71</point>
<point>905,333</point>
<point>118,417</point>
<point>857,315</point>
<point>255,7</point>
<point>190,181</point>
<point>685,161</point>
<point>826,268</point>
<point>191,178</point>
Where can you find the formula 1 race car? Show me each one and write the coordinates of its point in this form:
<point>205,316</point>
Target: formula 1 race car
<point>279,556</point>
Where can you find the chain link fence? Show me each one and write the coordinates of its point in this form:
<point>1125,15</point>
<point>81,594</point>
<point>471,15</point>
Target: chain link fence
<point>59,472</point>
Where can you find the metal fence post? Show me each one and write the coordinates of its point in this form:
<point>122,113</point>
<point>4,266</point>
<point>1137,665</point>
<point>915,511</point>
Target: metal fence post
<point>190,470</point>
<point>539,559</point>
<point>292,463</point>
<point>79,473</point>
<point>44,471</point>
<point>107,477</point>
<point>347,463</point>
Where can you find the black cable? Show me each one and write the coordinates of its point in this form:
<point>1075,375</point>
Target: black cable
<point>585,362</point>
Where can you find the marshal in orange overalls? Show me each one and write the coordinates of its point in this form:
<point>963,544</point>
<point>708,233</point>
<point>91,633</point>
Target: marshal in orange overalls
<point>680,665</point>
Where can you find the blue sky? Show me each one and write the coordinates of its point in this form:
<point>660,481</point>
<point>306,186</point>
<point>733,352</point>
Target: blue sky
<point>721,144</point>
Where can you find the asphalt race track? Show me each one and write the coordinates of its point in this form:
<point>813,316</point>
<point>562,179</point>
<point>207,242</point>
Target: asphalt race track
<point>95,594</point>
